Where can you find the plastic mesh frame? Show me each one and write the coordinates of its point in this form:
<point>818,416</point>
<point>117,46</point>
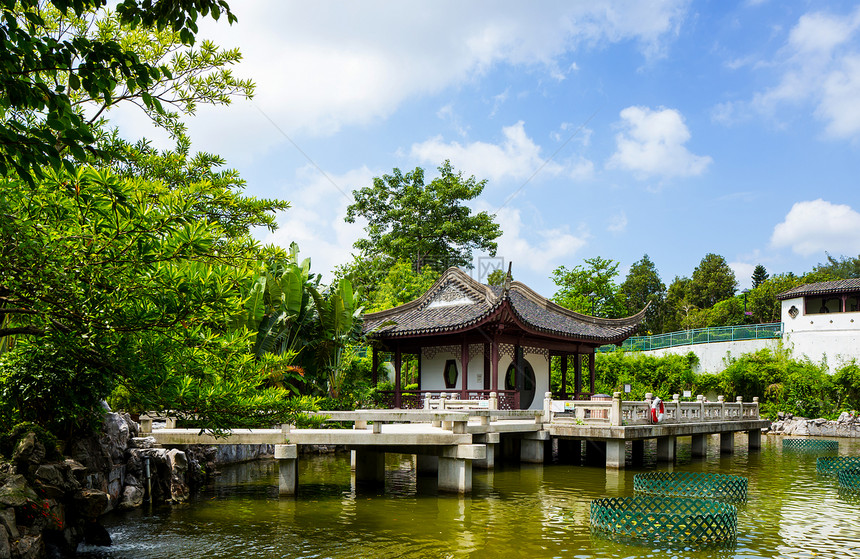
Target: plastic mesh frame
<point>665,519</point>
<point>723,487</point>
<point>849,480</point>
<point>810,445</point>
<point>829,465</point>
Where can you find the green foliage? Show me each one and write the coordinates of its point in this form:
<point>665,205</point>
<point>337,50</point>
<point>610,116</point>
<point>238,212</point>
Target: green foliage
<point>497,277</point>
<point>338,327</point>
<point>590,289</point>
<point>713,281</point>
<point>846,379</point>
<point>400,285</point>
<point>427,225</point>
<point>10,440</point>
<point>845,267</point>
<point>641,287</point>
<point>663,376</point>
<point>728,312</point>
<point>759,275</point>
<point>44,74</point>
<point>681,312</point>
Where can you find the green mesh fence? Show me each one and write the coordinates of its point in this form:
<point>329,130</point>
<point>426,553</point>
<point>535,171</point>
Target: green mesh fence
<point>665,519</point>
<point>849,480</point>
<point>810,445</point>
<point>829,465</point>
<point>723,487</point>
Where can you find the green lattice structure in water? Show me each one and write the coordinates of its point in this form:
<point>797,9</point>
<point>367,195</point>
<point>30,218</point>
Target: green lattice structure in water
<point>830,465</point>
<point>849,480</point>
<point>723,487</point>
<point>810,445</point>
<point>671,520</point>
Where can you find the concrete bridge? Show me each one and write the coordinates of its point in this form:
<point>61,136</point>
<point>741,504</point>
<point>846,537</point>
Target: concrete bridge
<point>449,442</point>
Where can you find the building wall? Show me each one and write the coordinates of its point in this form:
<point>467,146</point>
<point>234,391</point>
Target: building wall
<point>713,356</point>
<point>433,367</point>
<point>834,336</point>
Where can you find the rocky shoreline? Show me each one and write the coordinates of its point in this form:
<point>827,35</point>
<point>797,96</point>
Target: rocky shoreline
<point>51,502</point>
<point>848,425</point>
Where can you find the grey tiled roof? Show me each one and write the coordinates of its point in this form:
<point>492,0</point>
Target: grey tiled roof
<point>457,302</point>
<point>822,288</point>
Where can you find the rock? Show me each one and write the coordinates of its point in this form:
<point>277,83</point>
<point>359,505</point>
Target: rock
<point>115,436</point>
<point>177,464</point>
<point>133,426</point>
<point>90,503</point>
<point>142,442</point>
<point>7,521</point>
<point>16,492</point>
<point>5,548</point>
<point>29,450</point>
<point>76,472</point>
<point>30,547</point>
<point>132,497</point>
<point>95,534</point>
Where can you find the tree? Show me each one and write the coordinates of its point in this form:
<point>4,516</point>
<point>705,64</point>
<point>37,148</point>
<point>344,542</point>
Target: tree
<point>424,224</point>
<point>401,285</point>
<point>844,267</point>
<point>678,305</point>
<point>589,289</point>
<point>713,281</point>
<point>759,275</point>
<point>44,76</point>
<point>641,287</point>
<point>497,277</point>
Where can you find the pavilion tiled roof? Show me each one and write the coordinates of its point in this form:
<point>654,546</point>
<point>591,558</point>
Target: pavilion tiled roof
<point>457,302</point>
<point>822,288</point>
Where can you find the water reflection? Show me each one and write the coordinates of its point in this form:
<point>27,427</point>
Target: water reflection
<point>514,511</point>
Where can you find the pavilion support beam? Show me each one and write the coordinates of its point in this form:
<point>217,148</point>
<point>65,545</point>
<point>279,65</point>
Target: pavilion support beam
<point>488,367</point>
<point>398,362</point>
<point>591,370</point>
<point>577,375</point>
<point>464,359</point>
<point>494,358</point>
<point>563,358</point>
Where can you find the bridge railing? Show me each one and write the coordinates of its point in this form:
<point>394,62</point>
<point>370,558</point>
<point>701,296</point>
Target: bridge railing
<point>619,412</point>
<point>699,336</point>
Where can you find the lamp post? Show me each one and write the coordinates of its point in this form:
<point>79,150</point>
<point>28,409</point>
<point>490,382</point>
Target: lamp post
<point>593,297</point>
<point>745,291</point>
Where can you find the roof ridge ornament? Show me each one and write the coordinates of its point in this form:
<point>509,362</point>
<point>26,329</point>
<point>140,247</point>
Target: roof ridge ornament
<point>508,279</point>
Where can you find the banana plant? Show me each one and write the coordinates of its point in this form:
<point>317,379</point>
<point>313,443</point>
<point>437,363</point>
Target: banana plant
<point>339,324</point>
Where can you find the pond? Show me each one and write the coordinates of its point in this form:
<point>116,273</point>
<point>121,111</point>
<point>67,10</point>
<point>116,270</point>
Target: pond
<point>516,510</point>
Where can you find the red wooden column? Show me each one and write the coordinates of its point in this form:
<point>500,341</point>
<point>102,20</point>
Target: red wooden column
<point>577,375</point>
<point>488,367</point>
<point>398,360</point>
<point>563,358</point>
<point>494,364</point>
<point>464,359</point>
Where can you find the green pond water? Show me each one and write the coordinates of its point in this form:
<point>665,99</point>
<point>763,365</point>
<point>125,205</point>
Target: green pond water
<point>516,510</point>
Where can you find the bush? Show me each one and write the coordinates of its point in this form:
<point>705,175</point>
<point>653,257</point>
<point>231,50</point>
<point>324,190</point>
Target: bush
<point>846,380</point>
<point>43,382</point>
<point>8,441</point>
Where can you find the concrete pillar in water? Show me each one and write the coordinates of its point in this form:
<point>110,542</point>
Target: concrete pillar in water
<point>489,462</point>
<point>455,475</point>
<point>569,451</point>
<point>615,454</point>
<point>727,443</point>
<point>532,451</point>
<point>754,439</point>
<point>665,449</point>
<point>638,451</point>
<point>427,465</point>
<point>369,466</point>
<point>699,446</point>
<point>287,456</point>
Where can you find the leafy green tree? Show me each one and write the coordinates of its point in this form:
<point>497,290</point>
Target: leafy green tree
<point>679,306</point>
<point>845,267</point>
<point>497,277</point>
<point>401,285</point>
<point>590,289</point>
<point>641,287</point>
<point>762,301</point>
<point>426,224</point>
<point>713,281</point>
<point>339,326</point>
<point>45,75</point>
<point>759,275</point>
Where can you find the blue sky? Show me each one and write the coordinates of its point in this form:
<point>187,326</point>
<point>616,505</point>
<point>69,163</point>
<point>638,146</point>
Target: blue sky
<point>603,128</point>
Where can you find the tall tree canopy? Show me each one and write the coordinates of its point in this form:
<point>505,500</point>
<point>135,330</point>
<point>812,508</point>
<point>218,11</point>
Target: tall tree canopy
<point>759,275</point>
<point>426,224</point>
<point>49,63</point>
<point>845,267</point>
<point>641,287</point>
<point>590,289</point>
<point>713,281</point>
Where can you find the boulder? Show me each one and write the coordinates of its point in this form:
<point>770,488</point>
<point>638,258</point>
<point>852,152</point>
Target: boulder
<point>90,503</point>
<point>177,464</point>
<point>29,451</point>
<point>30,547</point>
<point>115,436</point>
<point>7,521</point>
<point>5,548</point>
<point>15,492</point>
<point>132,497</point>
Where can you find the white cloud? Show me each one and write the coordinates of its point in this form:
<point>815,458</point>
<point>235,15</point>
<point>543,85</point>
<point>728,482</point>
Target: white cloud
<point>617,223</point>
<point>819,65</point>
<point>315,220</point>
<point>320,66</point>
<point>542,250</point>
<point>516,157</point>
<point>652,144</point>
<point>743,273</point>
<point>817,226</point>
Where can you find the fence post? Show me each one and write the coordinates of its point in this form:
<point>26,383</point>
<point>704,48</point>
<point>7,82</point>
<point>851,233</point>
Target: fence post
<point>677,399</point>
<point>755,401</point>
<point>701,400</point>
<point>547,407</point>
<point>615,410</point>
<point>740,401</point>
<point>722,401</point>
<point>494,401</point>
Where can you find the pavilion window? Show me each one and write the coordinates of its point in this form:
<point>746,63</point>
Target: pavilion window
<point>451,373</point>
